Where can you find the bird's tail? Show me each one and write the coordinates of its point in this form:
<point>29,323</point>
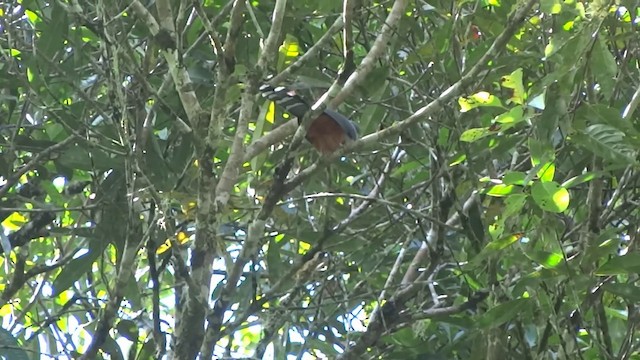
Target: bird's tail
<point>282,96</point>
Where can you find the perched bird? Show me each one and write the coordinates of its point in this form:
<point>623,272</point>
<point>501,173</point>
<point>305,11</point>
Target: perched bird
<point>327,132</point>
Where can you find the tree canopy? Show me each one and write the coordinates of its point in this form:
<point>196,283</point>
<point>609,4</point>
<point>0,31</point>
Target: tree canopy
<point>155,206</point>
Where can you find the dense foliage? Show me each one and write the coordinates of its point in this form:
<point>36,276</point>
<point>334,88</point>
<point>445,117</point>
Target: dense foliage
<point>153,205</point>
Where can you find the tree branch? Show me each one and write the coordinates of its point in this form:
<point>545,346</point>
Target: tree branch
<point>372,140</point>
<point>42,156</point>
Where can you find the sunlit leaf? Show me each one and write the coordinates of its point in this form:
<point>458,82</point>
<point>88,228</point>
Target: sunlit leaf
<point>482,98</point>
<point>547,259</point>
<point>501,190</point>
<point>14,221</point>
<point>475,134</point>
<point>580,179</point>
<point>514,81</point>
<point>546,172</point>
<point>550,196</point>
<point>512,116</point>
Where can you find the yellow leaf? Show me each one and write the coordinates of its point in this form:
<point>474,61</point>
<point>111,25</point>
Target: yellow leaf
<point>182,238</point>
<point>514,81</point>
<point>271,113</point>
<point>14,221</point>
<point>481,98</point>
<point>6,310</point>
<point>304,247</point>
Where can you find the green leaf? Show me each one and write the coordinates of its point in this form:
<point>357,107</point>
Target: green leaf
<point>605,245</point>
<point>373,113</point>
<point>546,172</point>
<point>503,313</point>
<point>475,134</point>
<point>603,67</point>
<point>627,264</point>
<point>274,259</point>
<point>128,329</point>
<point>514,204</point>
<point>550,196</point>
<point>503,242</point>
<point>602,114</point>
<point>53,32</point>
<point>514,81</point>
<point>9,347</point>
<point>551,6</point>
<point>33,17</point>
<point>514,178</point>
<point>561,44</point>
<point>512,117</point>
<point>495,246</point>
<point>77,157</point>
<point>77,267</point>
<point>405,168</point>
<point>580,179</point>
<point>607,142</point>
<point>541,152</point>
<point>112,348</point>
<point>501,190</point>
<point>549,260</point>
<point>630,292</point>
<point>55,131</point>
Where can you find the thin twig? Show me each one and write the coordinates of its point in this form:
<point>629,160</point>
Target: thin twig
<point>42,156</point>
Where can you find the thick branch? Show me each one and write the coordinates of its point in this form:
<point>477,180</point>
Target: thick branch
<point>377,50</point>
<point>110,312</point>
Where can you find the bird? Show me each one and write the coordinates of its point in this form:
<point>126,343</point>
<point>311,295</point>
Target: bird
<point>327,133</point>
